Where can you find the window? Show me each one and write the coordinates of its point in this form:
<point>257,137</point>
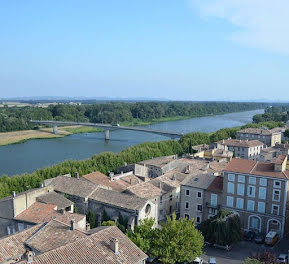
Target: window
<point>250,205</point>
<point>214,199</point>
<point>263,182</point>
<point>251,191</point>
<point>213,211</point>
<point>231,177</point>
<point>187,192</point>
<point>187,205</point>
<point>262,192</point>
<point>277,184</point>
<point>199,195</point>
<point>276,195</point>
<point>240,203</point>
<point>261,207</point>
<point>187,216</point>
<point>161,199</point>
<point>171,197</point>
<point>198,220</point>
<point>199,208</point>
<point>230,201</point>
<point>231,187</point>
<point>241,178</point>
<point>241,189</point>
<point>252,180</point>
<point>275,209</point>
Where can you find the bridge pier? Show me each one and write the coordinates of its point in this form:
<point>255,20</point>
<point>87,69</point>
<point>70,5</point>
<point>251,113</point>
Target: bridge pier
<point>107,134</point>
<point>55,131</point>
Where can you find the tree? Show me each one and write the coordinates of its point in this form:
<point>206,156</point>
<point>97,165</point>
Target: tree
<point>108,223</point>
<point>177,241</point>
<point>286,133</point>
<point>91,219</point>
<point>265,257</point>
<point>143,235</point>
<point>223,229</point>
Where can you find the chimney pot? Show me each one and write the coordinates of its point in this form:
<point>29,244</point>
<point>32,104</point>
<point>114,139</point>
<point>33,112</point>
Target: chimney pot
<point>114,245</point>
<point>76,175</point>
<point>29,255</point>
<point>14,194</point>
<point>41,185</point>
<point>72,225</point>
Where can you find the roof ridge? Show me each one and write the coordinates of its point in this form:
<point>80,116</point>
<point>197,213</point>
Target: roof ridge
<point>254,167</point>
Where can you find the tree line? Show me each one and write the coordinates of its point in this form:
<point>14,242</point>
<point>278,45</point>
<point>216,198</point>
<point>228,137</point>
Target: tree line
<point>273,113</point>
<point>17,118</point>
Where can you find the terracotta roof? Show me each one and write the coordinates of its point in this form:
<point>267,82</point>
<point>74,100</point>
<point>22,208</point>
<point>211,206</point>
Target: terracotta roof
<point>103,180</point>
<point>216,185</point>
<point>146,190</point>
<point>73,186</point>
<point>256,168</point>
<point>94,249</point>
<point>53,235</point>
<point>240,143</point>
<point>55,198</point>
<point>13,246</point>
<point>280,159</point>
<point>40,213</point>
<point>117,199</point>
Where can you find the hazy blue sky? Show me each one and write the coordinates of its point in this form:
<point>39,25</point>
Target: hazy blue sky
<point>176,49</point>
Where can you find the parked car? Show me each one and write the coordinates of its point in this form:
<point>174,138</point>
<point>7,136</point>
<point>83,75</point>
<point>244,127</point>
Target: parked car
<point>283,258</point>
<point>271,238</point>
<point>249,235</point>
<point>198,261</point>
<point>212,261</point>
<point>259,238</point>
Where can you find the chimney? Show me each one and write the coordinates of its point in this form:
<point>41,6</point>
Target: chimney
<point>29,255</point>
<point>111,174</point>
<point>72,225</point>
<point>13,194</point>
<point>41,185</point>
<point>62,211</point>
<point>76,175</point>
<point>114,245</point>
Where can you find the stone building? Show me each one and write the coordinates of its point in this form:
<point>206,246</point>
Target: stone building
<point>268,137</point>
<point>258,192</point>
<point>244,149</point>
<point>131,207</point>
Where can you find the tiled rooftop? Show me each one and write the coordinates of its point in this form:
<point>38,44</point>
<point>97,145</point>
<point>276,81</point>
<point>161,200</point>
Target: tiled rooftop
<point>256,168</point>
<point>241,143</point>
<point>158,162</point>
<point>94,249</point>
<point>73,186</point>
<point>201,181</point>
<point>216,185</point>
<point>256,131</point>
<point>122,200</point>
<point>55,198</point>
<point>53,235</point>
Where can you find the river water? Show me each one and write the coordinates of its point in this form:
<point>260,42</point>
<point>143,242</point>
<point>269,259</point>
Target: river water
<point>38,153</point>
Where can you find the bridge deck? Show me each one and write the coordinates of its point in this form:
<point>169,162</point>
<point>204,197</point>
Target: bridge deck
<point>106,126</point>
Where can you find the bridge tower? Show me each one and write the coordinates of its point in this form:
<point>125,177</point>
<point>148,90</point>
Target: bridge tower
<point>55,130</point>
<point>107,134</point>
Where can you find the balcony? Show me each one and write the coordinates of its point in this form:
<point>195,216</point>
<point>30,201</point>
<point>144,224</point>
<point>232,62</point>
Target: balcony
<point>210,205</point>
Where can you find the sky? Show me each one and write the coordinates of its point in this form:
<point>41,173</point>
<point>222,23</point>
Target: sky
<point>173,49</point>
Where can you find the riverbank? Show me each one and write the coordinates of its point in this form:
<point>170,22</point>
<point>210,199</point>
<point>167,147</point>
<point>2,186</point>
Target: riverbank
<point>17,137</point>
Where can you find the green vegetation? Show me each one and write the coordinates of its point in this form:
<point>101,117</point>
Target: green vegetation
<point>177,241</point>
<point>252,261</point>
<point>286,133</point>
<point>91,218</point>
<point>222,229</point>
<point>262,258</point>
<point>81,129</point>
<point>103,162</point>
<point>275,113</point>
<point>108,223</point>
<point>143,235</point>
<point>15,118</point>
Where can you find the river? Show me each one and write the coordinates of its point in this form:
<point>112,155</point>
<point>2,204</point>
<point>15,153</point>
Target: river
<point>39,153</point>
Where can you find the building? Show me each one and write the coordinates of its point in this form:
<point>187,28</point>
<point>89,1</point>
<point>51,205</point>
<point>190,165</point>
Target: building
<point>258,192</point>
<point>241,148</point>
<point>268,137</point>
<point>214,154</point>
<point>56,242</point>
<point>270,153</point>
<point>193,202</point>
<point>131,207</point>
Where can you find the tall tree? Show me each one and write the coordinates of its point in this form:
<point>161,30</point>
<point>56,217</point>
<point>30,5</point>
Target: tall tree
<point>177,241</point>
